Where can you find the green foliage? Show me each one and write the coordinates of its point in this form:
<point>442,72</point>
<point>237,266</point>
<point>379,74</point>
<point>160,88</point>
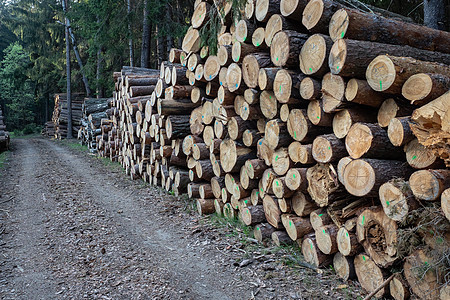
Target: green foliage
<point>3,158</point>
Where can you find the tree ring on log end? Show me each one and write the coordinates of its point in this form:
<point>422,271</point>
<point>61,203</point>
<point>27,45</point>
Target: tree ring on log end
<point>312,13</point>
<point>338,24</point>
<point>313,54</point>
<point>359,140</point>
<point>322,150</point>
<point>338,56</point>
<point>359,177</point>
<point>369,274</point>
<point>417,87</point>
<point>344,241</point>
<point>381,73</point>
<point>279,50</point>
<point>394,202</point>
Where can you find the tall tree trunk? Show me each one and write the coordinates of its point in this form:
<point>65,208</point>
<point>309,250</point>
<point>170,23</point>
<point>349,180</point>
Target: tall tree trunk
<point>130,38</point>
<point>99,73</point>
<point>434,14</point>
<point>146,28</point>
<point>69,96</point>
<point>169,31</point>
<point>159,43</point>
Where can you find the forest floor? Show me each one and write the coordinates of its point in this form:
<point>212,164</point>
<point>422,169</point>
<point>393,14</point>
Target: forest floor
<point>73,226</point>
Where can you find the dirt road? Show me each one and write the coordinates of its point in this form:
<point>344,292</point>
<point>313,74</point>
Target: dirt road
<point>74,228</point>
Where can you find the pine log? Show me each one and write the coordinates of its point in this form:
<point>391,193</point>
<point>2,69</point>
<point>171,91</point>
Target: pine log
<point>251,66</point>
<point>378,235</point>
<point>311,252</point>
<point>370,276</point>
<point>370,140</point>
<point>241,50</point>
<point>250,137</point>
<point>397,199</point>
<point>350,58</point>
<point>281,163</point>
<point>276,134</point>
<point>205,206</point>
<point>264,9</point>
<point>428,185</point>
<point>281,191</point>
<point>253,215</point>
<point>277,23</point>
<point>258,38</point>
<point>317,116</point>
<point>328,148</point>
<point>281,238</point>
<point>228,211</point>
<point>399,131</point>
<point>420,157</point>
<point>175,107</point>
<point>175,55</point>
<point>344,267</point>
<point>300,127</point>
<point>272,211</point>
<point>301,153</point>
<point>326,239</point>
<point>317,15</point>
<point>285,48</point>
<point>191,41</point>
<point>296,179</point>
<point>323,186</point>
<point>244,30</point>
<point>347,242</point>
<point>286,86</point>
<point>423,279</point>
<point>177,126</point>
<point>388,73</point>
<point>398,288</point>
<point>263,232</point>
<point>314,55</point>
<point>422,88</point>
<point>358,91</point>
<point>445,203</point>
<point>293,9</point>
<point>296,227</point>
<point>268,104</point>
<point>363,177</point>
<point>266,78</point>
<point>255,168</point>
<point>233,155</point>
<point>196,121</point>
<point>211,68</point>
<point>391,109</point>
<point>358,25</point>
<point>346,118</point>
<point>302,204</point>
<point>310,88</point>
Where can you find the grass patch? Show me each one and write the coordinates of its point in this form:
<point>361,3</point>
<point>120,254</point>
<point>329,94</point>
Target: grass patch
<point>75,145</point>
<point>3,158</point>
<point>15,135</point>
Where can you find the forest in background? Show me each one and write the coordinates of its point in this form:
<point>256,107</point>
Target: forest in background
<point>108,34</point>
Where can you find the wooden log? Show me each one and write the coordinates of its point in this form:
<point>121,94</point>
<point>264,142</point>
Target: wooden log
<point>281,163</point>
<point>317,15</point>
<point>347,242</point>
<point>397,199</point>
<point>370,276</point>
<point>422,88</point>
<point>255,168</point>
<point>328,148</point>
<point>391,109</point>
<point>224,55</point>
<point>228,211</point>
<point>317,116</point>
<point>363,177</point>
<point>244,30</point>
<point>310,88</point>
<point>195,121</point>
<point>241,50</point>
<point>272,211</point>
<point>266,78</point>
<point>346,118</point>
<point>251,66</point>
<point>234,79</point>
<point>302,204</point>
<point>177,126</point>
<point>358,91</point>
<point>268,104</point>
<point>286,86</point>
<point>311,252</point>
<point>264,9</point>
<point>233,155</point>
<point>428,185</point>
<point>314,55</point>
<point>445,203</point>
<point>300,127</point>
<point>326,239</point>
<point>193,190</point>
<point>277,23</point>
<point>293,9</point>
<point>211,68</point>
<point>301,153</point>
<point>296,227</point>
<point>421,276</point>
<point>378,235</point>
<point>388,73</point>
<point>350,58</point>
<point>263,232</point>
<point>218,206</point>
<point>344,267</point>
<point>420,157</point>
<point>358,25</point>
<point>296,179</point>
<point>175,107</point>
<point>175,55</point>
<point>333,91</point>
<point>217,184</point>
<point>205,206</point>
<point>258,38</point>
<point>323,186</point>
<point>399,131</point>
<point>276,134</point>
<point>191,40</point>
<point>285,48</point>
<point>281,238</point>
<point>281,191</point>
<point>398,288</point>
<point>250,137</point>
<point>253,215</point>
<point>370,140</point>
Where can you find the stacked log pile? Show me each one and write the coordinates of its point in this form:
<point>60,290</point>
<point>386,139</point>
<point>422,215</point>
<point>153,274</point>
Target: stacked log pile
<point>315,123</point>
<point>93,111</point>
<point>4,135</point>
<point>60,115</point>
<point>49,129</point>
